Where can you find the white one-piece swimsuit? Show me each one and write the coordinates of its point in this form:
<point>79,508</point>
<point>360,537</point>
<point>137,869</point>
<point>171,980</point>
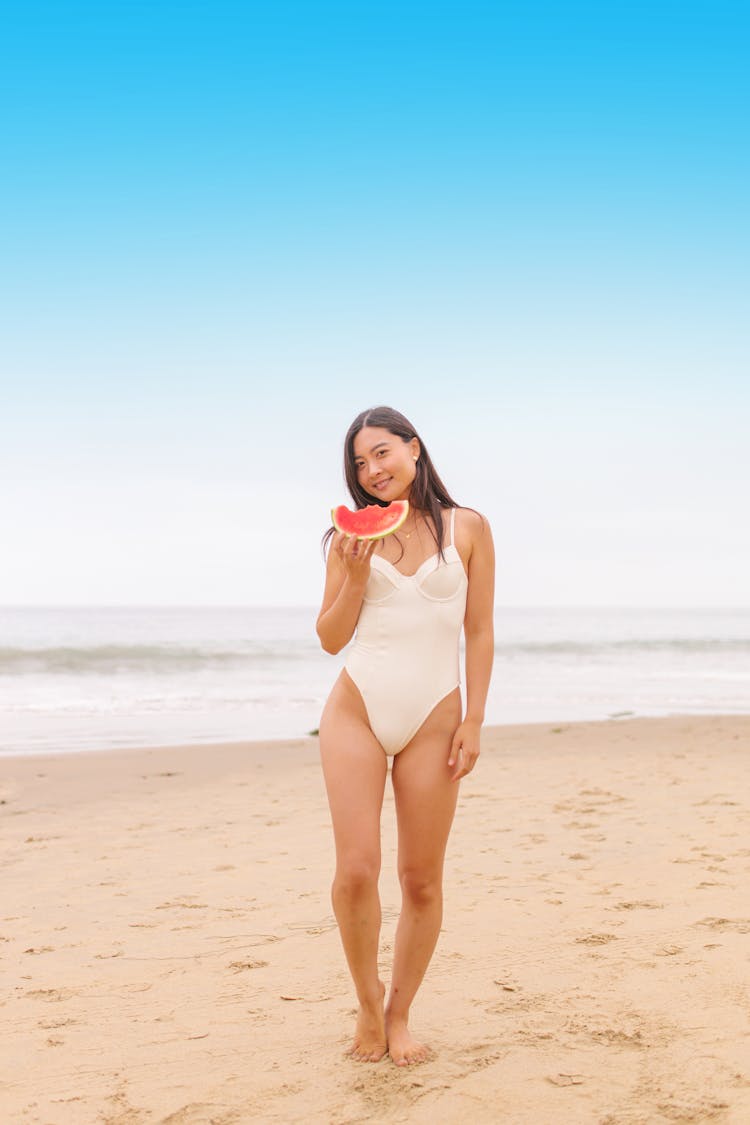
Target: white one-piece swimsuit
<point>404,658</point>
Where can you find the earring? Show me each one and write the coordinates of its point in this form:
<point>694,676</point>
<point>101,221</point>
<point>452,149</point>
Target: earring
<point>416,458</point>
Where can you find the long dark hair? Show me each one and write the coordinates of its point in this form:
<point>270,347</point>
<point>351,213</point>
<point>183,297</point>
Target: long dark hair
<point>428,493</point>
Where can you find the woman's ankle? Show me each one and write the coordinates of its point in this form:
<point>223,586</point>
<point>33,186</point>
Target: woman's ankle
<point>371,999</point>
<point>394,1015</point>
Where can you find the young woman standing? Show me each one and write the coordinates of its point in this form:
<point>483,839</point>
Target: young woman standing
<point>407,597</point>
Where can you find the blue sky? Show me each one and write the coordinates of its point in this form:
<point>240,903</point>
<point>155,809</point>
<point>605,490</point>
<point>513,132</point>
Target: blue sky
<point>227,228</point>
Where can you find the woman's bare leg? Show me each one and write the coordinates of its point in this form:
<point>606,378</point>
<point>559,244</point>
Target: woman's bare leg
<point>354,767</point>
<point>425,806</point>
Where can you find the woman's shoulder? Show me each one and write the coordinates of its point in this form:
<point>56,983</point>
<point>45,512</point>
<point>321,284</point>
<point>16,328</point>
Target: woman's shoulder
<point>471,532</point>
<point>470,521</point>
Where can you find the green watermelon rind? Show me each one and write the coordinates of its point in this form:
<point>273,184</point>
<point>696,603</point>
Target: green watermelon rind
<point>368,512</point>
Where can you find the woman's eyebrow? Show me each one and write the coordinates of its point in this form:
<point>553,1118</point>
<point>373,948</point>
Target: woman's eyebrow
<point>380,445</point>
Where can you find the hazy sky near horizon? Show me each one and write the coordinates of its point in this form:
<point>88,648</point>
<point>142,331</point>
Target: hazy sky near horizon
<point>229,227</point>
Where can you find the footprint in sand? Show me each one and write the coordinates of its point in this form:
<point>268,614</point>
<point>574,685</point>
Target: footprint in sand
<point>479,1057</point>
<point>182,904</point>
<point>615,1037</point>
<point>724,925</point>
<point>602,796</point>
<point>194,1113</point>
<point>638,904</point>
<point>703,1109</point>
<point>50,995</point>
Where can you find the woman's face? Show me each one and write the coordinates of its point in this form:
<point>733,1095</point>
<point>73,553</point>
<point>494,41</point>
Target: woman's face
<point>386,464</point>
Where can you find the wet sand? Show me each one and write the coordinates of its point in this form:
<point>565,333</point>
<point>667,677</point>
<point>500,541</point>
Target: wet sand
<point>169,954</point>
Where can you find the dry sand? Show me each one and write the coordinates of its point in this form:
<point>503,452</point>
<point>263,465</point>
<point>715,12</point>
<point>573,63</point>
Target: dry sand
<point>169,953</point>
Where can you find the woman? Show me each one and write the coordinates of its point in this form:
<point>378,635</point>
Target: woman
<point>407,596</point>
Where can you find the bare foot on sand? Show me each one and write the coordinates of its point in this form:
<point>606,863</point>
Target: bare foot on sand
<point>369,1035</point>
<point>403,1049</point>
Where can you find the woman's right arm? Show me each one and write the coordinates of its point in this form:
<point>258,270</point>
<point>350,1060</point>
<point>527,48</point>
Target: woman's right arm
<point>347,572</point>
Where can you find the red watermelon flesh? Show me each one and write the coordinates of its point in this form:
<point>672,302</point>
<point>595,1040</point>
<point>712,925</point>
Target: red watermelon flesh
<point>372,522</point>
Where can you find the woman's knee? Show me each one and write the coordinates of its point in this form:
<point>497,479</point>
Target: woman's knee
<point>356,877</point>
<point>421,887</point>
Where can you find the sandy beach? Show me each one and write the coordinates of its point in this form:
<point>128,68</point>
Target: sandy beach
<point>169,953</point>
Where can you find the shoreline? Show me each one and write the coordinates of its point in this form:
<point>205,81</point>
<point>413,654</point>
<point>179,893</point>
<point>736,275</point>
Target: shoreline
<point>168,934</point>
<point>490,729</point>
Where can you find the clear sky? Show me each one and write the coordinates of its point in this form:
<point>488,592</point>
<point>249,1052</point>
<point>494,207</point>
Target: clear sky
<point>228,227</point>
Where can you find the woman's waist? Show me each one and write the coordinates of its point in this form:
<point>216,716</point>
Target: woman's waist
<point>408,650</point>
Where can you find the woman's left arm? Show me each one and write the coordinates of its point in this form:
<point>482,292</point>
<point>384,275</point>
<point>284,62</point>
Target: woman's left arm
<point>480,646</point>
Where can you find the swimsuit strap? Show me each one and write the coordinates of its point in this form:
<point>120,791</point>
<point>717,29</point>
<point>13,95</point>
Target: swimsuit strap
<point>453,524</point>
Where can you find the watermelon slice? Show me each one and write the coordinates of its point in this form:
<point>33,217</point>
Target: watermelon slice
<point>372,522</point>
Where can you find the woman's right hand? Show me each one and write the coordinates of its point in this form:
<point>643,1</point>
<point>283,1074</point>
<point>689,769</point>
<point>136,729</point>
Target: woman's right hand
<point>355,554</point>
<point>346,581</point>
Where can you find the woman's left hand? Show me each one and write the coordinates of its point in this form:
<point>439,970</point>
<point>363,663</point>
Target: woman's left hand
<point>464,749</point>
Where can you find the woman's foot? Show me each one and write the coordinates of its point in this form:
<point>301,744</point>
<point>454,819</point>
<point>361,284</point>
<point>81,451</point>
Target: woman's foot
<point>369,1035</point>
<point>403,1049</point>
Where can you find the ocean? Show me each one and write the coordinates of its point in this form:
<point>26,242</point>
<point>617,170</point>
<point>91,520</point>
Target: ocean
<point>98,678</point>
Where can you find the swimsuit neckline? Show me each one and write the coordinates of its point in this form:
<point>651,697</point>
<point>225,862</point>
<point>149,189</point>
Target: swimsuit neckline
<point>420,568</point>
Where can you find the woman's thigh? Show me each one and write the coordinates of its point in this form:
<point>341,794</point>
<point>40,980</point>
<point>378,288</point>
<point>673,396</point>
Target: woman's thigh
<point>424,792</point>
<point>354,769</point>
